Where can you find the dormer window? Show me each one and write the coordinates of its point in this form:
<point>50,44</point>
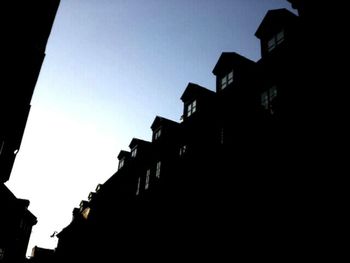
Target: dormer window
<point>2,146</point>
<point>98,188</point>
<point>148,174</point>
<point>134,152</point>
<point>85,213</point>
<point>183,150</point>
<point>138,186</point>
<point>226,80</point>
<point>191,108</point>
<point>158,169</point>
<point>268,97</point>
<point>121,163</point>
<point>91,196</point>
<point>157,134</point>
<point>275,40</point>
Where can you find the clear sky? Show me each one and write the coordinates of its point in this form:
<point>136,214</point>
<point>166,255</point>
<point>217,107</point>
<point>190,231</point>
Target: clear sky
<point>111,67</point>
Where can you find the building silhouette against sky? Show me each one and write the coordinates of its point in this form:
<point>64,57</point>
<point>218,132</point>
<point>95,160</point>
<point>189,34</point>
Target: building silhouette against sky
<point>221,180</point>
<point>24,38</point>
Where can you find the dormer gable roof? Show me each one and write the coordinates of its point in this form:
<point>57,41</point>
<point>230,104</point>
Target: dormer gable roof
<point>274,20</point>
<point>231,59</point>
<point>123,154</point>
<point>194,91</point>
<point>138,142</point>
<point>160,121</point>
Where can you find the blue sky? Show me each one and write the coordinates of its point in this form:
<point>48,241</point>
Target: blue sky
<point>111,67</point>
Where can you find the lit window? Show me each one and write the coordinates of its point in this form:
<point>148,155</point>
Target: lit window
<point>148,173</point>
<point>15,151</point>
<point>138,186</point>
<point>227,80</point>
<point>183,149</point>
<point>158,169</point>
<point>268,97</point>
<point>191,108</point>
<point>157,134</point>
<point>134,152</point>
<point>86,212</point>
<point>121,163</point>
<point>275,40</point>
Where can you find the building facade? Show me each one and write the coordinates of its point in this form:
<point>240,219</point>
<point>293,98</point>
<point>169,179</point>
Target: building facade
<point>223,181</point>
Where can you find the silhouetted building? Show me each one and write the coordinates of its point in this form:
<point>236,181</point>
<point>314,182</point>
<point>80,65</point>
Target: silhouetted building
<point>16,224</point>
<point>42,255</point>
<point>25,41</point>
<point>24,38</point>
<point>224,179</point>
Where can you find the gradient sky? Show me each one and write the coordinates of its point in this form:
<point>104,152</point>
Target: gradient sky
<point>111,67</point>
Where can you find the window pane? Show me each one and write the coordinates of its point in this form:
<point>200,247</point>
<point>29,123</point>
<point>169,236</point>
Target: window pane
<point>158,169</point>
<point>138,186</point>
<point>271,44</point>
<point>273,92</point>
<point>230,77</point>
<point>147,179</point>
<point>189,110</point>
<point>224,82</point>
<point>121,163</point>
<point>194,106</point>
<point>134,152</point>
<point>265,100</point>
<point>280,37</point>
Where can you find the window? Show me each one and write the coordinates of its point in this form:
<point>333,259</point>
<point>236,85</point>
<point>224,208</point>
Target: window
<point>191,108</point>
<point>2,146</point>
<point>138,186</point>
<point>86,212</point>
<point>98,188</point>
<point>268,97</point>
<point>134,152</point>
<point>157,134</point>
<point>227,80</point>
<point>222,135</point>
<point>183,149</point>
<point>158,169</point>
<point>121,163</point>
<point>2,253</point>
<point>275,40</point>
<point>148,174</point>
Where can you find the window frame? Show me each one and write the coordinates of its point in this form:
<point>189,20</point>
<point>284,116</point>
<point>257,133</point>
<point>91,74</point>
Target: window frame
<point>268,96</point>
<point>148,175</point>
<point>158,169</point>
<point>183,150</point>
<point>157,133</point>
<point>227,79</point>
<point>134,152</point>
<point>121,163</point>
<point>275,40</point>
<point>191,108</point>
<point>138,186</point>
